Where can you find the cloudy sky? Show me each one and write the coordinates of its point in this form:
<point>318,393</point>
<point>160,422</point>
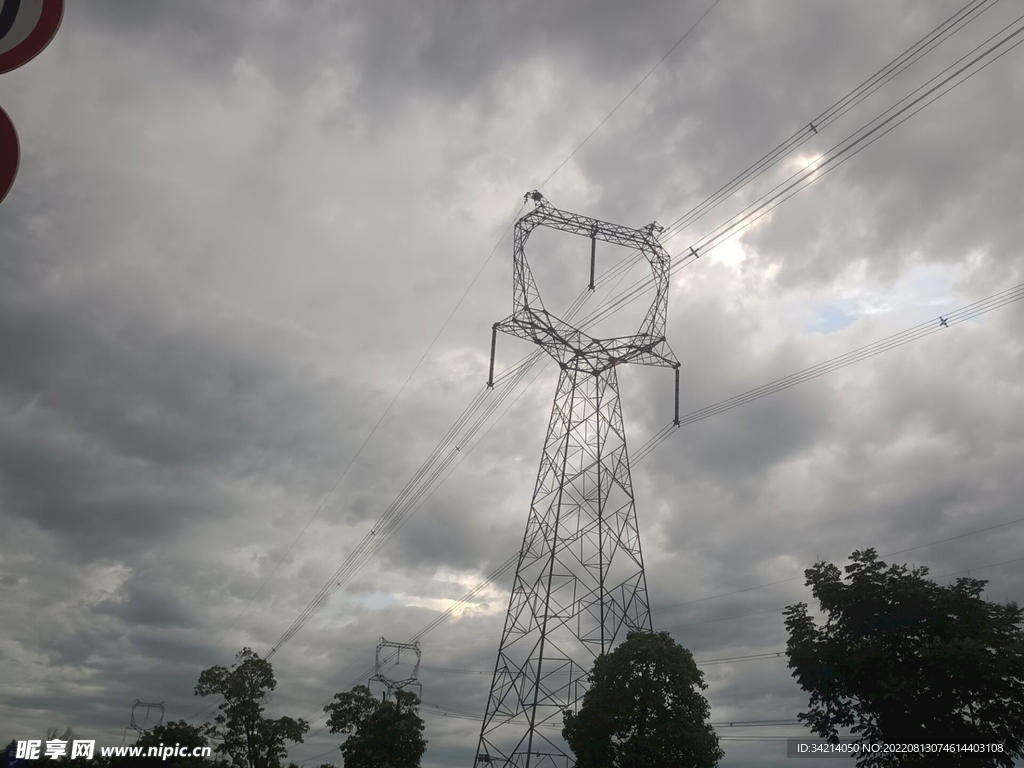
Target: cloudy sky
<point>238,226</point>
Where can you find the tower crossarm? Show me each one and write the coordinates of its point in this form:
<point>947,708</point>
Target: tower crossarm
<point>569,345</point>
<point>546,215</point>
<point>572,347</point>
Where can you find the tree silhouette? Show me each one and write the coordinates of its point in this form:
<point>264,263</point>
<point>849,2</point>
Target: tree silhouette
<point>381,733</point>
<point>644,709</point>
<point>174,733</point>
<point>241,732</point>
<point>903,659</point>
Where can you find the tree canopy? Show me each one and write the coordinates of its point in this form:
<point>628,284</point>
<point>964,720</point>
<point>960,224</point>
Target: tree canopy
<point>240,730</point>
<point>903,659</point>
<point>381,733</point>
<point>644,709</point>
<point>174,733</point>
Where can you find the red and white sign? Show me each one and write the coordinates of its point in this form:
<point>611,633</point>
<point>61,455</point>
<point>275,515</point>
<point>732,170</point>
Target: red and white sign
<point>26,27</point>
<point>10,154</point>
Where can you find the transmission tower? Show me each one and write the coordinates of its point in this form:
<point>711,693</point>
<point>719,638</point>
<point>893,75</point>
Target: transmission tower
<point>579,585</point>
<point>145,716</point>
<point>391,684</point>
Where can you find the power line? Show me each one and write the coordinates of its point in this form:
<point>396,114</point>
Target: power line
<point>927,328</point>
<point>761,206</point>
<point>832,159</point>
<point>978,568</point>
<point>964,16</point>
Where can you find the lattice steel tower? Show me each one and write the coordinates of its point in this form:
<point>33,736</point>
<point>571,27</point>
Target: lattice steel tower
<point>580,583</point>
<point>145,717</point>
<point>411,677</point>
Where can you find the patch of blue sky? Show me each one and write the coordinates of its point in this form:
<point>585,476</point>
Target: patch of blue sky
<point>376,601</point>
<point>922,293</point>
<point>829,318</point>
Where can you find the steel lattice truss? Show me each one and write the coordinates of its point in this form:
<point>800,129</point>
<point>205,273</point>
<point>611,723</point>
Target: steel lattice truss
<point>579,585</point>
<point>146,716</point>
<point>391,684</point>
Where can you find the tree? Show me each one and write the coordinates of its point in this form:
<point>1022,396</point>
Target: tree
<point>644,709</point>
<point>7,756</point>
<point>381,734</point>
<point>903,659</point>
<point>176,733</point>
<point>245,736</point>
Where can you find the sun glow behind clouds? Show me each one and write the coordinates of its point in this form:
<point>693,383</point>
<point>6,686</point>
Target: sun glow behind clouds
<point>731,253</point>
<point>807,162</point>
<point>489,601</point>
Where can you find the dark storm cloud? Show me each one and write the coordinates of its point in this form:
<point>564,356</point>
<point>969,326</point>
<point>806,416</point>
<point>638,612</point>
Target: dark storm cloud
<point>155,408</point>
<point>145,603</point>
<point>206,36</point>
<point>446,51</point>
<point>124,406</point>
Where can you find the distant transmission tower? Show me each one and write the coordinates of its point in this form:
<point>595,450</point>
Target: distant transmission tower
<point>145,716</point>
<point>392,684</point>
<point>580,583</point>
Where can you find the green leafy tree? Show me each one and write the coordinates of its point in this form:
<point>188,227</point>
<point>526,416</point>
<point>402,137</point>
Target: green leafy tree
<point>240,730</point>
<point>903,659</point>
<point>381,734</point>
<point>644,709</point>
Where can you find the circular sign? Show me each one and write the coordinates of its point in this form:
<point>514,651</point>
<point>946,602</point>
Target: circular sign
<point>9,154</point>
<point>26,27</point>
